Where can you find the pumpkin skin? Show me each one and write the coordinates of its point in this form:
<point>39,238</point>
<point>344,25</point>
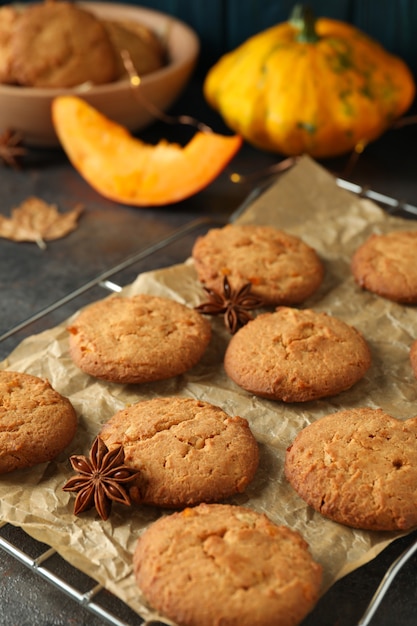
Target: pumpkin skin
<point>318,88</point>
<point>124,169</point>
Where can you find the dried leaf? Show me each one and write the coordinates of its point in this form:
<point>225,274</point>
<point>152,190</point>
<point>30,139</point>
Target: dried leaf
<point>35,220</point>
<point>11,148</point>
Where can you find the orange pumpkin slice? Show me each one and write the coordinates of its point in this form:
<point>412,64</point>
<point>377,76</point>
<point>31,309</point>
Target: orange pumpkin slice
<point>123,168</point>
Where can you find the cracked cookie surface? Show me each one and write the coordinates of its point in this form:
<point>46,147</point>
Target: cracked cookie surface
<point>138,339</point>
<point>36,422</point>
<point>225,564</point>
<point>358,467</point>
<point>296,355</point>
<point>281,268</point>
<point>386,265</point>
<point>186,451</point>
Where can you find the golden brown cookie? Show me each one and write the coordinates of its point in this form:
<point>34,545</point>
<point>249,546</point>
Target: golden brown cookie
<point>8,20</point>
<point>386,265</point>
<point>142,45</point>
<point>295,356</point>
<point>137,340</point>
<point>223,564</point>
<point>358,467</point>
<point>281,267</point>
<point>186,451</point>
<point>36,422</point>
<point>59,44</point>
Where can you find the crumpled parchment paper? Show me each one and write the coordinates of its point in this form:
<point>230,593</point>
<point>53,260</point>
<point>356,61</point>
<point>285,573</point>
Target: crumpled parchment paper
<point>307,202</point>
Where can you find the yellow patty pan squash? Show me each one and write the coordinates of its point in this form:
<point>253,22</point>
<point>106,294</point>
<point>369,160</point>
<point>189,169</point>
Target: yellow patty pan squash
<point>309,86</point>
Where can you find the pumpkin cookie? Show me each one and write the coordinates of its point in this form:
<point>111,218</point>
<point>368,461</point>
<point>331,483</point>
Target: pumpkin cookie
<point>143,46</point>
<point>36,422</point>
<point>82,50</point>
<point>224,564</point>
<point>186,451</point>
<point>386,265</point>
<point>296,356</point>
<point>281,268</point>
<point>358,467</point>
<point>8,20</point>
<point>137,340</point>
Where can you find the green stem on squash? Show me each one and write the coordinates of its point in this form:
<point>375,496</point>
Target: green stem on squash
<point>303,20</point>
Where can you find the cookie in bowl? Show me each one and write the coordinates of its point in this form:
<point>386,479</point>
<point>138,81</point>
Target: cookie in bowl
<point>8,18</point>
<point>59,44</point>
<point>26,108</point>
<point>144,48</point>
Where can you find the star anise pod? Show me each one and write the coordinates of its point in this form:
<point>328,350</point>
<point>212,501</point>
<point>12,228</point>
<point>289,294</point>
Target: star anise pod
<point>11,149</point>
<point>233,304</point>
<point>101,479</point>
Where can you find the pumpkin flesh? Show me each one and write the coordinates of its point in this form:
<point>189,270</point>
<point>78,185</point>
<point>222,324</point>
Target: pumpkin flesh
<point>127,170</point>
<point>321,98</point>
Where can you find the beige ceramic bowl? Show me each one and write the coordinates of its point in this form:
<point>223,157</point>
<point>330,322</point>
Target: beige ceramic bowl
<point>28,109</point>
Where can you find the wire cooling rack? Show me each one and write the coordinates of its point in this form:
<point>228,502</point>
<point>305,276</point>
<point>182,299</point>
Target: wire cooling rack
<point>39,558</point>
<point>46,563</point>
<point>391,205</point>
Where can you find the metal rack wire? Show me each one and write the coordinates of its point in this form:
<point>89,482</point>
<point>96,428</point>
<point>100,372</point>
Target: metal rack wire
<point>390,205</point>
<point>386,583</point>
<point>95,596</point>
<point>39,565</point>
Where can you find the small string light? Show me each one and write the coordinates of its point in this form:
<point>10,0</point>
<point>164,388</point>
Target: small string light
<point>135,82</point>
<point>276,168</point>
